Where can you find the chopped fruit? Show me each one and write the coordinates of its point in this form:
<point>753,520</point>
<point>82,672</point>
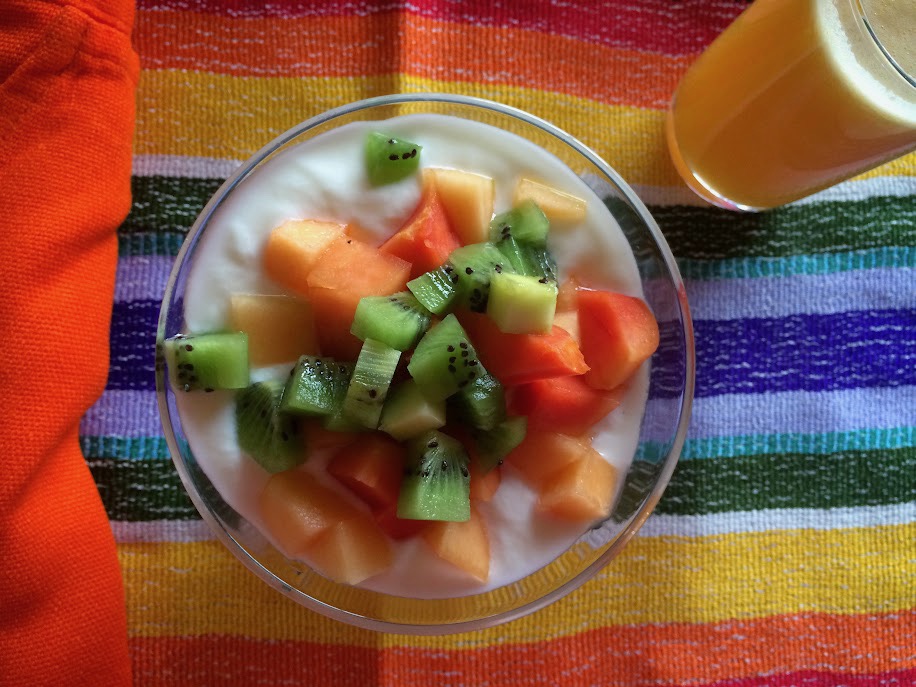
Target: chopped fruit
<point>267,434</point>
<point>351,551</point>
<point>369,383</point>
<point>522,305</point>
<point>568,320</point>
<point>618,334</point>
<point>335,289</point>
<point>436,482</point>
<point>525,223</point>
<point>296,508</point>
<point>566,404</point>
<point>317,386</point>
<point>559,206</point>
<point>543,454</point>
<point>567,296</point>
<point>468,200</point>
<point>294,247</point>
<point>371,468</point>
<point>320,438</point>
<point>524,258</point>
<point>207,361</point>
<point>493,445</point>
<point>279,328</point>
<point>444,361</point>
<point>395,527</point>
<point>475,266</point>
<point>436,290</point>
<point>390,159</point>
<point>408,412</point>
<point>398,320</point>
<point>483,483</point>
<point>427,239</point>
<point>582,491</point>
<point>482,403</point>
<point>463,544</point>
<point>520,358</point>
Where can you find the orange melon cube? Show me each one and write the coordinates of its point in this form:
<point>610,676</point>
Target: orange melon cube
<point>541,455</point>
<point>568,320</point>
<point>484,485</point>
<point>319,438</point>
<point>279,328</point>
<point>371,468</point>
<point>347,271</point>
<point>296,508</point>
<point>558,205</point>
<point>583,491</point>
<point>463,544</point>
<point>294,247</point>
<point>351,551</point>
<point>395,527</point>
<point>468,200</point>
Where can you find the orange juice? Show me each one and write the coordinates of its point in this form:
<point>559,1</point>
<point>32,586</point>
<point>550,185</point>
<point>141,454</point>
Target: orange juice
<point>795,96</point>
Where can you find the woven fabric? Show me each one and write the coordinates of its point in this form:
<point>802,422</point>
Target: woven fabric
<point>783,552</point>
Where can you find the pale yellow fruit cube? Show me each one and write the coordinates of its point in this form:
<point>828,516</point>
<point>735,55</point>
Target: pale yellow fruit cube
<point>558,205</point>
<point>468,201</point>
<point>279,328</point>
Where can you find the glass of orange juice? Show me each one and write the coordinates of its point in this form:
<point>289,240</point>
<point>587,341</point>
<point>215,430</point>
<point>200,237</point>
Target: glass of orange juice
<point>795,96</point>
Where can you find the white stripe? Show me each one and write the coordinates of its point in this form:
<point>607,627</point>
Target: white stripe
<point>716,524</point>
<point>778,519</point>
<point>821,294</point>
<point>790,412</point>
<point>858,189</point>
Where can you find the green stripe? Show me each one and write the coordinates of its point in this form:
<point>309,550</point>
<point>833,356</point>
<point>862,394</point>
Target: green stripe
<point>133,448</point>
<point>169,205</point>
<point>702,233</point>
<point>150,490</point>
<point>166,243</point>
<point>845,479</point>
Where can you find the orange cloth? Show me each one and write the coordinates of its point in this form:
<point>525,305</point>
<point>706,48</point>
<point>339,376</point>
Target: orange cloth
<point>67,79</point>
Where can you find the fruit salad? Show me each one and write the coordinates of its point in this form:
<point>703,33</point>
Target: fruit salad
<point>414,355</point>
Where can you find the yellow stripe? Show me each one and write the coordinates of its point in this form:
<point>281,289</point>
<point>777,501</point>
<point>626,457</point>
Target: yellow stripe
<point>199,588</point>
<point>208,115</point>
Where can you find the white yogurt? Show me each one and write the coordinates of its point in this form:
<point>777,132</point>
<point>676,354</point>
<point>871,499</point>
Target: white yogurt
<point>324,179</point>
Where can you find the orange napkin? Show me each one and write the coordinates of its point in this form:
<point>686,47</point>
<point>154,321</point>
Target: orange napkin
<point>67,79</point>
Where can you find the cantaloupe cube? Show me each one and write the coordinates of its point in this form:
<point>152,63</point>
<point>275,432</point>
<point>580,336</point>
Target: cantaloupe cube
<point>347,271</point>
<point>468,200</point>
<point>279,328</point>
<point>583,491</point>
<point>371,468</point>
<point>463,544</point>
<point>294,247</point>
<point>296,508</point>
<point>395,527</point>
<point>484,485</point>
<point>351,551</point>
<point>559,206</point>
<point>543,454</point>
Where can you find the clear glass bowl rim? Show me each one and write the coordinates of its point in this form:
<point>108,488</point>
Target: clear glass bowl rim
<point>636,520</point>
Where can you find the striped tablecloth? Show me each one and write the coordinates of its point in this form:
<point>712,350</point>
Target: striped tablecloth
<point>784,551</point>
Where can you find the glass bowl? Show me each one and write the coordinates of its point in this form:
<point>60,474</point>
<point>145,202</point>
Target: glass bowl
<point>662,433</point>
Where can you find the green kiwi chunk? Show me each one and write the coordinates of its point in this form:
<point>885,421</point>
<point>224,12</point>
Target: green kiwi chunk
<point>437,482</point>
<point>390,159</point>
<point>369,384</point>
<point>264,432</point>
<point>205,362</point>
<point>475,266</point>
<point>437,289</point>
<point>316,386</point>
<point>528,259</point>
<point>398,320</point>
<point>522,305</point>
<point>408,412</point>
<point>482,403</point>
<point>444,361</point>
<point>525,222</point>
<point>493,445</point>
